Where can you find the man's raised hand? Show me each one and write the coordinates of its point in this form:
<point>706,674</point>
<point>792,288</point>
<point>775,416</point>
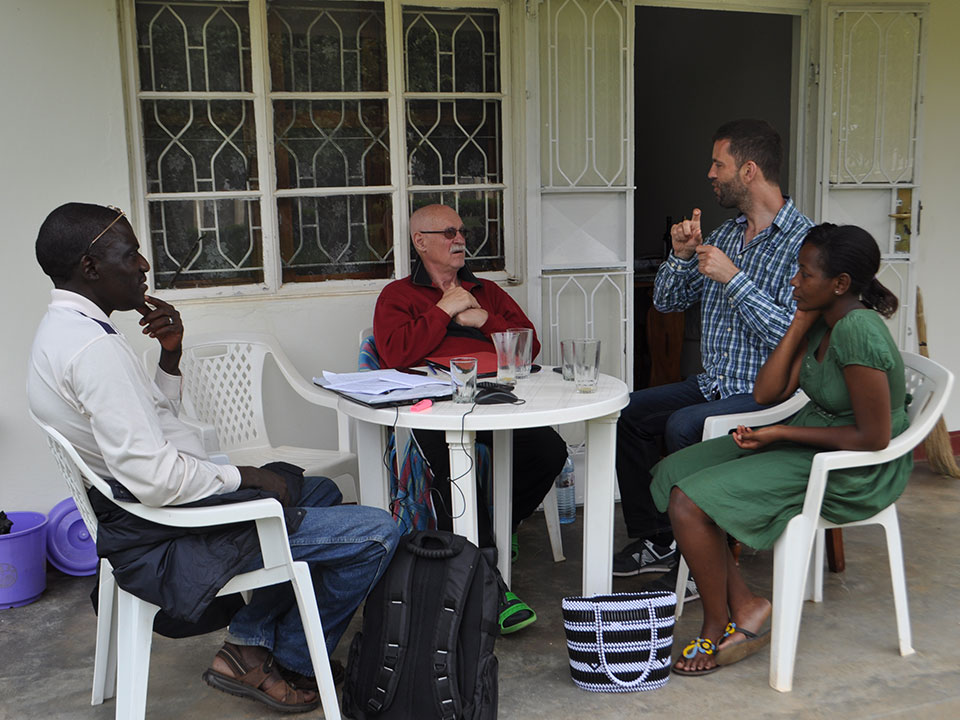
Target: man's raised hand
<point>715,264</point>
<point>685,236</point>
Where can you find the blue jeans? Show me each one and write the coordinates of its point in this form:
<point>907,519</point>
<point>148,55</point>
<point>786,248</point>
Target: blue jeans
<point>676,413</point>
<point>348,548</point>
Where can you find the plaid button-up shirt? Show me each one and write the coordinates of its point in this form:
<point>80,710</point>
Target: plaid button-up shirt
<point>742,321</point>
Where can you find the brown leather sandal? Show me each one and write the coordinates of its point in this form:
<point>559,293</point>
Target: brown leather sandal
<point>299,681</point>
<point>261,682</point>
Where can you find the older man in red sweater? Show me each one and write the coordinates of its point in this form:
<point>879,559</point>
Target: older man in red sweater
<point>444,309</point>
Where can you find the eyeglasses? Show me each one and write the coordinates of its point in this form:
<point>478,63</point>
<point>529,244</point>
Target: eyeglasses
<point>103,232</point>
<point>449,233</point>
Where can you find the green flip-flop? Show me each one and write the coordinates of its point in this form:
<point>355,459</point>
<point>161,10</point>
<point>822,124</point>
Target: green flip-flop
<point>514,548</point>
<point>515,614</point>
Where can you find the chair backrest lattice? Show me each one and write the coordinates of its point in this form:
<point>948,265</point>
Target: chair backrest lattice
<point>223,387</point>
<point>74,479</point>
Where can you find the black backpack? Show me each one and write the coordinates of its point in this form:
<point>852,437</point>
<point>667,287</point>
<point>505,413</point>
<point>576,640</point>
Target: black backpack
<point>429,626</point>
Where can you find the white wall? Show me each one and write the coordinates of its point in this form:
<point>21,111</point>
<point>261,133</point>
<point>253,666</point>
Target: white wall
<point>63,139</point>
<point>62,123</point>
<point>937,250</point>
<point>62,126</point>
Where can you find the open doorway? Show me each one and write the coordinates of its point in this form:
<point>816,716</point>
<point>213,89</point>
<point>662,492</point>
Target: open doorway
<point>695,70</point>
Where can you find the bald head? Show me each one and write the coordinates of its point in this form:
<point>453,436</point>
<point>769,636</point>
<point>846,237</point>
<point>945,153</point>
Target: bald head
<point>441,255</point>
<point>431,217</point>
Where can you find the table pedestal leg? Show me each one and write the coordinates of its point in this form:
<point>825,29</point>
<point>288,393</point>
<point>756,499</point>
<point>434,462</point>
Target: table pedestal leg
<point>463,483</point>
<point>598,505</point>
<point>374,479</point>
<point>503,498</point>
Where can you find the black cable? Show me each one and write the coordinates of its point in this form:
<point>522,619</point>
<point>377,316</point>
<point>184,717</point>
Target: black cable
<point>438,501</point>
<point>385,458</point>
<point>385,461</point>
<point>463,420</point>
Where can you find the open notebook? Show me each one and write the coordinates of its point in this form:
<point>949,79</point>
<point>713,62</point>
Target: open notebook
<point>385,388</point>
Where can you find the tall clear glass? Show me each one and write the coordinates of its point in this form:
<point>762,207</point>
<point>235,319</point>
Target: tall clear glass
<point>524,351</point>
<point>586,364</point>
<point>566,359</point>
<point>506,346</point>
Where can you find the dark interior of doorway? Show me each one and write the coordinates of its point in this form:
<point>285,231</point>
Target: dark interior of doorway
<point>694,70</point>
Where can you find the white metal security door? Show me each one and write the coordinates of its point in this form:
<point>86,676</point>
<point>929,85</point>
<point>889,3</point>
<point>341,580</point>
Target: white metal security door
<point>586,177</point>
<point>871,70</point>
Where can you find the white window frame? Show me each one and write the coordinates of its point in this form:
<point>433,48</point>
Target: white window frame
<point>268,193</point>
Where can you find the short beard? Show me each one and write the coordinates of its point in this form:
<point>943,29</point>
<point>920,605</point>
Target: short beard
<point>732,194</point>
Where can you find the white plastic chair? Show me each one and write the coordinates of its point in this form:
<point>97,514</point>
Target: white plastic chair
<point>223,387</point>
<point>125,622</point>
<point>551,510</point>
<point>795,577</point>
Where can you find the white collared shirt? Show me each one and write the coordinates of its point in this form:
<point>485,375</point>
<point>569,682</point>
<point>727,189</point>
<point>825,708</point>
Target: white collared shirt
<point>85,380</point>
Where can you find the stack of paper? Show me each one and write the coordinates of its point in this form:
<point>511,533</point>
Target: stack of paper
<point>378,382</point>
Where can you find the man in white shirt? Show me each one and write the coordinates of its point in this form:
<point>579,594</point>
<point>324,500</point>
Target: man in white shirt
<point>85,380</point>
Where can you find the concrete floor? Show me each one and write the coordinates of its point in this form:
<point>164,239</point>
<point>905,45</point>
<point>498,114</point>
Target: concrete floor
<point>848,665</point>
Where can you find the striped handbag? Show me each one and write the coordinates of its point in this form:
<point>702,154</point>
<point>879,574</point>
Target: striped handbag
<point>620,642</point>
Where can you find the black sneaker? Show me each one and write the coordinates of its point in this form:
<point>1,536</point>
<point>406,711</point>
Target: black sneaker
<point>644,556</point>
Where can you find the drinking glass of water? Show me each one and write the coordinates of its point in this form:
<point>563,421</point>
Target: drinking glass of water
<point>463,379</point>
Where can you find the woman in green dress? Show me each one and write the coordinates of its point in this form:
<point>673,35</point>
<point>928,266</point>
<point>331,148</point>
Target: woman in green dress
<point>752,482</point>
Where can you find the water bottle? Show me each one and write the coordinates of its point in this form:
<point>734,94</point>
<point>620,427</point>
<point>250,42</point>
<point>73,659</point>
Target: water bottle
<point>567,492</point>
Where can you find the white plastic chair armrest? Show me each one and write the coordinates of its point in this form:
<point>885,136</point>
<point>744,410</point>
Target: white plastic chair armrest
<point>825,462</point>
<point>902,444</point>
<point>267,513</point>
<point>314,395</point>
<point>307,390</point>
<point>203,516</point>
<point>719,425</point>
<point>206,431</point>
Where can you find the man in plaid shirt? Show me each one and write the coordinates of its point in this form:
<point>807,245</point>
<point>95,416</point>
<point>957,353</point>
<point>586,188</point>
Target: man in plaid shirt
<point>741,276</point>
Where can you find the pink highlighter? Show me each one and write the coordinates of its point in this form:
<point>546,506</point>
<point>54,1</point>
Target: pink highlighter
<point>424,404</point>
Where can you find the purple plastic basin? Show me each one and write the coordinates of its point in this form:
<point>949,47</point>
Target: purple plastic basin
<point>23,566</point>
<point>70,547</point>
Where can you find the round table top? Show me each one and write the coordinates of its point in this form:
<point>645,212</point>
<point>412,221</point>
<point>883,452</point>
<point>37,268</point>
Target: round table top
<point>550,400</point>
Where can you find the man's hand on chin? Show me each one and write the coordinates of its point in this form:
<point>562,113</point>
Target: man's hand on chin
<point>162,322</point>
<point>474,317</point>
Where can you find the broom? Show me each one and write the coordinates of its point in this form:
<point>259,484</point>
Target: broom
<point>937,444</point>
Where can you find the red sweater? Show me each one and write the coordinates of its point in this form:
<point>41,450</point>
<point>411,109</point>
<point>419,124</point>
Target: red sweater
<point>408,326</point>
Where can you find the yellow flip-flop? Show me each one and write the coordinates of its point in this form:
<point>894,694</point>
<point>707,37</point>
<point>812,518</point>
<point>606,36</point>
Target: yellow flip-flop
<point>700,646</point>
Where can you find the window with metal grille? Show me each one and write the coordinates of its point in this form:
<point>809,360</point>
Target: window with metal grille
<point>287,141</point>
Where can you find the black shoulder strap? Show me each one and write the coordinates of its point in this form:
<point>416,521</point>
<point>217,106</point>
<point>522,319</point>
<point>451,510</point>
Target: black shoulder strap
<point>396,629</point>
<point>460,572</point>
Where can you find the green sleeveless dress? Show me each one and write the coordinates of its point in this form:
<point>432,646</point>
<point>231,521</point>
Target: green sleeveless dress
<point>753,494</point>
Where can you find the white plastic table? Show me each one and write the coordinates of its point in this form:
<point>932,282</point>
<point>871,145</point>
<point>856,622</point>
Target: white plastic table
<point>549,401</point>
